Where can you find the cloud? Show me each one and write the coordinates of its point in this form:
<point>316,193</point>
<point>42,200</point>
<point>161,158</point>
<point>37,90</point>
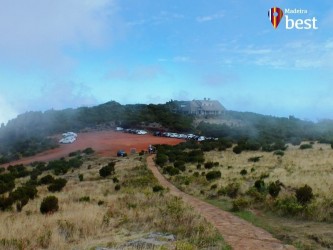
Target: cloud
<point>202,19</point>
<point>140,73</point>
<point>60,95</point>
<point>39,32</point>
<point>6,112</point>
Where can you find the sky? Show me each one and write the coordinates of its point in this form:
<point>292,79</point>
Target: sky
<point>57,54</point>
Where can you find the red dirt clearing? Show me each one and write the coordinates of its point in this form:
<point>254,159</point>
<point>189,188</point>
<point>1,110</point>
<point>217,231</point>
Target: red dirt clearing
<point>105,143</point>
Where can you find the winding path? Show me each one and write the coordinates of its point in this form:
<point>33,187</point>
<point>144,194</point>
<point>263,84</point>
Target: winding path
<point>239,234</point>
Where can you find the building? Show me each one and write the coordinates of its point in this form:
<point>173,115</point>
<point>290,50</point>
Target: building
<point>200,107</point>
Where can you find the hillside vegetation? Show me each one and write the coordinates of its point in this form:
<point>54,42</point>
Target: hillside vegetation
<point>84,202</point>
<point>288,191</point>
<point>30,133</point>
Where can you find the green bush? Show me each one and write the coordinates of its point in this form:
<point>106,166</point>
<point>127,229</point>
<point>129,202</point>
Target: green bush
<point>239,204</point>
<point>213,175</point>
<point>180,165</point>
<point>107,170</point>
<point>57,185</point>
<point>84,199</point>
<point>243,172</point>
<point>231,190</point>
<point>170,170</point>
<point>49,205</point>
<point>304,194</point>
<point>279,152</point>
<point>161,159</point>
<point>47,179</point>
<point>157,188</point>
<point>288,206</point>
<point>260,185</point>
<point>237,149</point>
<point>305,146</point>
<point>274,189</point>
<point>254,159</point>
<point>209,165</point>
<point>80,177</point>
<point>117,187</point>
<point>88,151</point>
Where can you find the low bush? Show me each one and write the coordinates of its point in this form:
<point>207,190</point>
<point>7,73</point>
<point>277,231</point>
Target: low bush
<point>88,151</point>
<point>84,199</point>
<point>49,205</point>
<point>80,177</point>
<point>107,170</point>
<point>304,194</point>
<point>57,185</point>
<point>231,190</point>
<point>47,179</point>
<point>209,165</point>
<point>157,188</point>
<point>170,170</point>
<point>117,187</point>
<point>243,172</point>
<point>260,185</point>
<point>288,206</point>
<point>213,175</point>
<point>305,146</point>
<point>237,149</point>
<point>239,204</point>
<point>279,153</point>
<point>274,189</point>
<point>254,159</point>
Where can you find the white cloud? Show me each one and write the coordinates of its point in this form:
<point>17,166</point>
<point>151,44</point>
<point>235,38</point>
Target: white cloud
<point>6,112</point>
<point>202,19</point>
<point>39,31</point>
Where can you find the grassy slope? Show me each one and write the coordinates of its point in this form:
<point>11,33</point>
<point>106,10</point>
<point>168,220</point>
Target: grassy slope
<point>126,214</point>
<point>295,169</point>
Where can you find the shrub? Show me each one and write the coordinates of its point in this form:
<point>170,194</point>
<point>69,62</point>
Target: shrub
<point>289,206</point>
<point>274,189</point>
<point>243,172</point>
<point>305,146</point>
<point>80,177</point>
<point>7,183</point>
<point>49,205</point>
<point>231,190</point>
<point>196,174</point>
<point>115,180</point>
<point>279,152</point>
<point>161,159</point>
<point>304,194</point>
<point>180,165</point>
<point>57,185</point>
<point>88,151</point>
<point>2,170</point>
<point>84,199</point>
<point>212,175</point>
<point>47,179</point>
<point>107,170</point>
<point>332,145</point>
<point>117,187</point>
<point>157,188</point>
<point>237,149</point>
<point>100,203</point>
<point>260,185</point>
<point>239,204</point>
<point>214,186</point>
<point>170,170</point>
<point>209,165</point>
<point>254,159</point>
<point>199,166</point>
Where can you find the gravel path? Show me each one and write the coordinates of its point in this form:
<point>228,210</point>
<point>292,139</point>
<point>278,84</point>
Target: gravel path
<point>239,234</point>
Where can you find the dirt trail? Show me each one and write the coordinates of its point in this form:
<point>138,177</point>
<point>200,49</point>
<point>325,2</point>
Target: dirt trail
<point>239,234</point>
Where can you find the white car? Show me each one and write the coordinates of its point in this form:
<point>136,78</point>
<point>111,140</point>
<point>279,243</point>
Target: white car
<point>141,132</point>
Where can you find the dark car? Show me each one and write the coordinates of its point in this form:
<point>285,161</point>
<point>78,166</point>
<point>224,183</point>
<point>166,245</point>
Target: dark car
<point>121,153</point>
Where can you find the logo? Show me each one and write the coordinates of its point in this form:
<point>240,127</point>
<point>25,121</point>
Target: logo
<point>275,15</point>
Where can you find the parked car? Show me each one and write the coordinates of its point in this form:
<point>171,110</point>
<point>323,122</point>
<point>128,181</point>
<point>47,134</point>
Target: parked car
<point>121,153</point>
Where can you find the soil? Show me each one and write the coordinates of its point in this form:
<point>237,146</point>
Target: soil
<point>105,144</point>
<point>239,234</point>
